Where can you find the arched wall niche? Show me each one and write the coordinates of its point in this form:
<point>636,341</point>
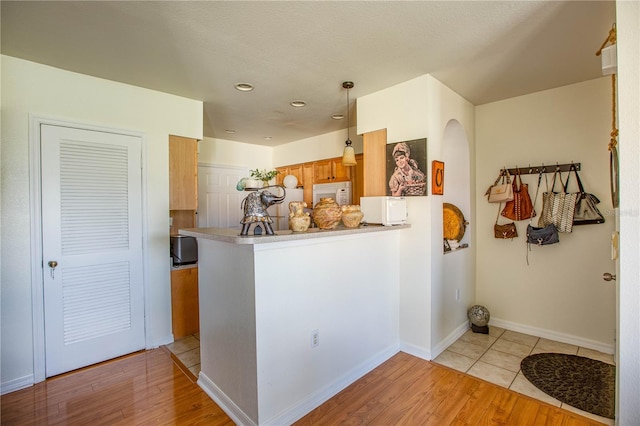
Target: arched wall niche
<point>457,170</point>
<point>453,288</point>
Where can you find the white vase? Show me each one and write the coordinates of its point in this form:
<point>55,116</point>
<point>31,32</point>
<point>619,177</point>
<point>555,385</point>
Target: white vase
<point>253,183</point>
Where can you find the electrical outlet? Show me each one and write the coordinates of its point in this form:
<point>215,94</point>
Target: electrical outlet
<point>457,294</point>
<point>315,338</point>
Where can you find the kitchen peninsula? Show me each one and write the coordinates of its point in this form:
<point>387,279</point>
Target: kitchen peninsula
<point>289,320</point>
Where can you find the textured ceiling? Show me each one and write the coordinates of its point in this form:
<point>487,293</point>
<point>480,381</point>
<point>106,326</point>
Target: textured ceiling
<point>484,50</point>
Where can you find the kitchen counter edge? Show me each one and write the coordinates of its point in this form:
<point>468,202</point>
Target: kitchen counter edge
<point>233,236</point>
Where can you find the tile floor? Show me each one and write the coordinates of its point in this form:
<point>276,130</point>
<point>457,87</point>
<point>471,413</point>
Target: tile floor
<point>496,357</point>
<point>187,350</point>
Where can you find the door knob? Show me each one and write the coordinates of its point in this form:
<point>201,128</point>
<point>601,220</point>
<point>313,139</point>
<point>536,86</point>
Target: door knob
<point>52,264</point>
<point>608,277</point>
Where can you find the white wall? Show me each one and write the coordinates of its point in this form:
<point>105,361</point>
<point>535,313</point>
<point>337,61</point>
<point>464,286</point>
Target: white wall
<point>27,88</point>
<point>229,153</point>
<point>328,145</point>
<point>256,347</point>
<point>628,27</point>
<point>448,314</point>
<point>457,292</point>
<point>561,293</point>
<point>419,108</point>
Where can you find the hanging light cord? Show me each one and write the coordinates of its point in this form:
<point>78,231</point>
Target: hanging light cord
<point>348,120</point>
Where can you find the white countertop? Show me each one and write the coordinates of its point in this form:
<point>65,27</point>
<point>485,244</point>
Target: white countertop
<point>233,235</point>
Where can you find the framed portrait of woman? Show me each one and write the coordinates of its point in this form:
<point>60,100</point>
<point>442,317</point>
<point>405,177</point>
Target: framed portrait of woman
<point>406,168</point>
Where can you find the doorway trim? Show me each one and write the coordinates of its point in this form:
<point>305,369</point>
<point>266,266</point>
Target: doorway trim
<point>35,208</point>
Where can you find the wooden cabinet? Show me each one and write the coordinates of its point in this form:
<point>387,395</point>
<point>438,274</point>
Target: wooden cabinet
<point>357,179</point>
<point>183,203</point>
<point>321,171</point>
<point>374,145</point>
<point>307,176</point>
<point>183,173</point>
<point>295,170</point>
<point>185,310</point>
<point>183,182</point>
<point>331,170</point>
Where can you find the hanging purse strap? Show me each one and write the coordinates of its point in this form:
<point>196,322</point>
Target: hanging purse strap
<point>535,199</point>
<point>553,182</point>
<point>498,215</point>
<point>517,181</point>
<point>575,172</point>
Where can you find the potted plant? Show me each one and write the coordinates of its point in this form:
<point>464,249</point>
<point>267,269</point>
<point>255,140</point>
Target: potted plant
<point>263,175</point>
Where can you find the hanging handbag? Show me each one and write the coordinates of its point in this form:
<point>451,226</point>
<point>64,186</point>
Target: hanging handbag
<point>504,231</point>
<point>558,207</point>
<point>500,193</point>
<point>586,212</point>
<point>543,235</point>
<point>520,208</point>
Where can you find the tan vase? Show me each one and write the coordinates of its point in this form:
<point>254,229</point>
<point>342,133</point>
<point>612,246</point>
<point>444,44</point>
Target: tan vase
<point>327,213</point>
<point>351,216</point>
<point>299,220</point>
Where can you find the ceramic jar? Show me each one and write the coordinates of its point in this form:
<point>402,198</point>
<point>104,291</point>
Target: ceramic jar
<point>299,220</point>
<point>327,213</point>
<point>351,216</point>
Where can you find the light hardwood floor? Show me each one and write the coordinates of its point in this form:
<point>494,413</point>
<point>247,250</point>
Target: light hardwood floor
<point>150,388</point>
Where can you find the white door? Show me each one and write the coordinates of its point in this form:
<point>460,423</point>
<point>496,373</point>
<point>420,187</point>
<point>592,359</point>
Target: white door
<point>92,246</point>
<point>218,199</point>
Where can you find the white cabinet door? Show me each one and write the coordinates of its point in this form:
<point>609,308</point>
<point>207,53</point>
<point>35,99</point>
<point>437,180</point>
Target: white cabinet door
<point>92,246</point>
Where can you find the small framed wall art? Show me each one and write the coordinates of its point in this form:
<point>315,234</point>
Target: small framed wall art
<point>437,177</point>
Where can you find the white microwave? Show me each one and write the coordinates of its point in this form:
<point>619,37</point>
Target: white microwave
<point>339,191</point>
<point>384,210</point>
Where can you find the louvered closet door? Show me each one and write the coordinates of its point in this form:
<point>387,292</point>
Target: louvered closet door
<point>92,229</point>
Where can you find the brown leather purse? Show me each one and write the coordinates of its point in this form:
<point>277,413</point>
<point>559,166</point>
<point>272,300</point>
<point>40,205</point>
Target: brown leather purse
<point>521,207</point>
<point>504,231</point>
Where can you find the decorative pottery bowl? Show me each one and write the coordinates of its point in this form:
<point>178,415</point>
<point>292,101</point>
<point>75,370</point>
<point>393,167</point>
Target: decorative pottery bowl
<point>327,213</point>
<point>351,216</point>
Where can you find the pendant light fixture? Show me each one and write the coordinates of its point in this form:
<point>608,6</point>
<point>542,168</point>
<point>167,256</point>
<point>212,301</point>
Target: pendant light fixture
<point>349,155</point>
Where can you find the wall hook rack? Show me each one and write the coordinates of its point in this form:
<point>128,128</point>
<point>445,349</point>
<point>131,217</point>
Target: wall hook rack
<point>549,168</point>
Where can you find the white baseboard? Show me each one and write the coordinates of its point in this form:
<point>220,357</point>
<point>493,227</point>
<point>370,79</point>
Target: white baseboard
<point>17,384</point>
<point>414,350</point>
<point>300,408</point>
<point>450,339</point>
<point>165,340</point>
<point>228,406</point>
<point>554,335</point>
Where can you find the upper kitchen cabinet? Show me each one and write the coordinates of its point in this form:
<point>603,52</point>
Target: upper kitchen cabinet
<point>183,182</point>
<point>295,170</point>
<point>331,170</point>
<point>183,173</point>
<point>307,190</point>
<point>357,179</point>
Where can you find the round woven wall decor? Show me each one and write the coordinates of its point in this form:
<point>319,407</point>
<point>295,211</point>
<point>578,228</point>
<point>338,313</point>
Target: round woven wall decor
<point>454,225</point>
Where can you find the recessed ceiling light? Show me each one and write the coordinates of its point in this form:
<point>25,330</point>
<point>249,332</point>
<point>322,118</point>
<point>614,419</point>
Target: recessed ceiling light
<point>267,138</point>
<point>244,87</point>
<point>337,116</point>
<point>230,131</point>
<point>298,104</point>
